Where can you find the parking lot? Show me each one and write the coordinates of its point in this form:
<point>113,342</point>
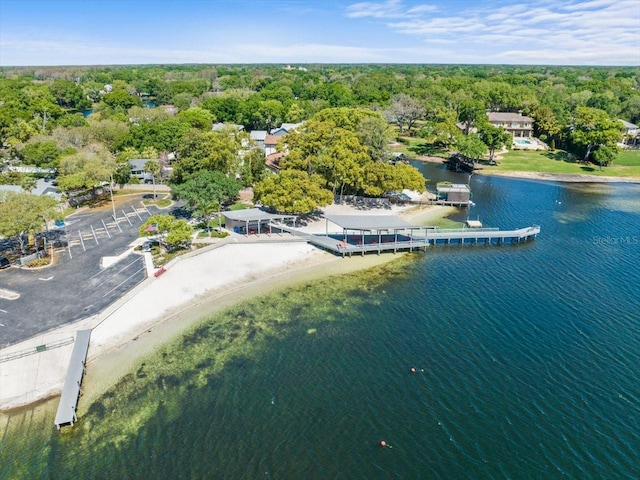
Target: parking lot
<point>76,286</point>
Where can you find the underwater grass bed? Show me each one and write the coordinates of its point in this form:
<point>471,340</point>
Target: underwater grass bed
<point>188,372</point>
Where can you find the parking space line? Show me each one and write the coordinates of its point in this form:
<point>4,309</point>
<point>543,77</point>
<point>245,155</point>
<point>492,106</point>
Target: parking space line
<point>124,281</point>
<point>115,273</point>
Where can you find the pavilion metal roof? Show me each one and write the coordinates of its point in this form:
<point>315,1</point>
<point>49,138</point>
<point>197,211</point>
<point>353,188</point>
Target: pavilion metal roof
<point>253,215</point>
<point>370,222</point>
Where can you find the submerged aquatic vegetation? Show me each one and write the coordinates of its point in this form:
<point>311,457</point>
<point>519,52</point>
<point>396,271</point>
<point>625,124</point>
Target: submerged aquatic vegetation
<point>192,368</point>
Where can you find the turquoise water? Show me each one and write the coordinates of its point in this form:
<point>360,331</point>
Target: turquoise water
<point>528,363</point>
<point>522,141</point>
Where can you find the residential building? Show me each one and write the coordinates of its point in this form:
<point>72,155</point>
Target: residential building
<point>630,133</point>
<point>516,124</point>
<point>258,136</point>
<point>138,171</point>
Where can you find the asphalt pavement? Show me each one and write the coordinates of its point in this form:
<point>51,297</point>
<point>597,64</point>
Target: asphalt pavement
<point>76,286</point>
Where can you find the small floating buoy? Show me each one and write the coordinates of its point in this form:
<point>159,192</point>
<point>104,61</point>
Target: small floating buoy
<point>383,443</point>
<point>413,370</point>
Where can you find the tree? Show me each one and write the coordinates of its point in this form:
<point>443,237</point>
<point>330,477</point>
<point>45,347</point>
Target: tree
<point>197,117</point>
<point>153,167</point>
<point>472,113</point>
<point>494,137</point>
<point>405,110</point>
<point>69,95</point>
<point>593,128</point>
<point>23,213</point>
<point>121,99</point>
<point>86,169</point>
<point>199,150</point>
<point>176,232</point>
<point>293,191</point>
<point>122,173</point>
<point>381,177</point>
<point>471,146</point>
<point>604,155</point>
<point>375,134</point>
<point>41,154</point>
<point>205,191</point>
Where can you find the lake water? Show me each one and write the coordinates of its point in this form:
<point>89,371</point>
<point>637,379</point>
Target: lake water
<point>527,358</point>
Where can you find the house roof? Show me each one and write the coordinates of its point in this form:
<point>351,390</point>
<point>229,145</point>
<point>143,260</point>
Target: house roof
<point>271,139</point>
<point>273,160</point>
<point>290,126</point>
<point>258,134</point>
<point>508,117</point>
<point>628,125</point>
<point>11,188</point>
<point>369,222</point>
<point>285,128</point>
<point>45,188</point>
<point>138,163</point>
<point>454,187</point>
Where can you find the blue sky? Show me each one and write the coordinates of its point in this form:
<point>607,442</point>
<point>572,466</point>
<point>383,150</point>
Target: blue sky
<point>549,32</point>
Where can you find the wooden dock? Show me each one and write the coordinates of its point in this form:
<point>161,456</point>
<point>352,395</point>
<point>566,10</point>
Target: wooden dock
<point>417,239</point>
<point>66,414</point>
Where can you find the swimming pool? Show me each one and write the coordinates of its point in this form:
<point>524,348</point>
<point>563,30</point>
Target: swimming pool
<point>525,142</point>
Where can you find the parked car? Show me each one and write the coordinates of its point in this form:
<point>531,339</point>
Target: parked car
<point>146,246</point>
<point>4,263</point>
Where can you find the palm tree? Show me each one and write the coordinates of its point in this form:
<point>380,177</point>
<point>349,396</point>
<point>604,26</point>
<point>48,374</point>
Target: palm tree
<point>153,167</point>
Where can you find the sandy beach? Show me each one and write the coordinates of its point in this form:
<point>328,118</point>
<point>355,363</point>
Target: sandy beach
<point>159,309</point>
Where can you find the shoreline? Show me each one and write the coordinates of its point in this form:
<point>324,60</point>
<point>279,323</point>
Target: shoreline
<point>159,310</point>
<point>542,176</point>
<point>561,177</point>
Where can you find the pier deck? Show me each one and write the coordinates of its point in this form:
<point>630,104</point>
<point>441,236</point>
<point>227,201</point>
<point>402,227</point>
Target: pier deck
<point>66,413</point>
<point>417,238</point>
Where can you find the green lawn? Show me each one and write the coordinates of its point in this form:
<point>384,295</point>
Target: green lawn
<point>627,164</point>
<point>159,202</point>
<point>413,147</point>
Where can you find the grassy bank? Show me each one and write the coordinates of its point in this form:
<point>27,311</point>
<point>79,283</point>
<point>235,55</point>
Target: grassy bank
<point>559,162</point>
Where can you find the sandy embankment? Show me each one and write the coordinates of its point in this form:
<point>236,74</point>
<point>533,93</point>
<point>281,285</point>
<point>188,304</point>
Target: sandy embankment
<point>161,308</point>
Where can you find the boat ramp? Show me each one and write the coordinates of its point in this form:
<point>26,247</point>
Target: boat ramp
<point>66,414</point>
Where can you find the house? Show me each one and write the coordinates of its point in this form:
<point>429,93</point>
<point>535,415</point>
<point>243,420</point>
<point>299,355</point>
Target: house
<point>270,144</point>
<point>457,193</point>
<point>273,161</point>
<point>629,133</point>
<point>138,171</point>
<point>258,136</point>
<point>516,124</point>
<point>285,128</point>
<point>43,187</point>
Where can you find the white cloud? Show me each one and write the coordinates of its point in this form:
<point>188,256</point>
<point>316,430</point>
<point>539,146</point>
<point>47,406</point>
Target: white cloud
<point>594,31</point>
<point>387,9</point>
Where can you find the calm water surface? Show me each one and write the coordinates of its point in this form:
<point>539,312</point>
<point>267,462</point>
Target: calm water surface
<point>528,363</point>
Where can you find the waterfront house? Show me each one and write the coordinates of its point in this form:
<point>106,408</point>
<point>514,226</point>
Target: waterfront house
<point>456,193</point>
<point>516,124</point>
<point>629,133</point>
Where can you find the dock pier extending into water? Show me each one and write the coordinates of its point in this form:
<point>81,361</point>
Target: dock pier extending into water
<point>66,414</point>
<point>407,238</point>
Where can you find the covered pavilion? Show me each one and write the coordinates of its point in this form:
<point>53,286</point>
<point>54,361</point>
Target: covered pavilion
<point>254,220</point>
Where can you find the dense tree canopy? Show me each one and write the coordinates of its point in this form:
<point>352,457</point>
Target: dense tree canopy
<point>206,191</point>
<point>293,191</point>
<point>23,213</point>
